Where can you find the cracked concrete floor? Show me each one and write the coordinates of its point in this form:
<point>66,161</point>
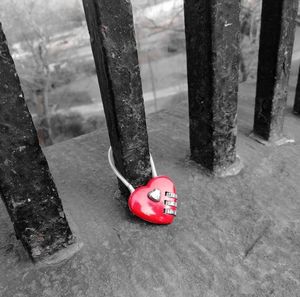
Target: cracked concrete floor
<point>238,236</point>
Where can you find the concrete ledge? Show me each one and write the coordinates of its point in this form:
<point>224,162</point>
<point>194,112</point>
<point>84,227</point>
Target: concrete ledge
<point>232,170</point>
<point>277,142</point>
<point>236,236</point>
<point>62,255</point>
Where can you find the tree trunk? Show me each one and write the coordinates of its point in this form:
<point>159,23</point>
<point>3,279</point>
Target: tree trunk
<point>43,124</point>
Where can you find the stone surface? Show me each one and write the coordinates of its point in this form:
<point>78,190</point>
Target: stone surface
<point>236,237</point>
<point>275,52</point>
<point>113,43</point>
<point>212,42</point>
<point>26,184</point>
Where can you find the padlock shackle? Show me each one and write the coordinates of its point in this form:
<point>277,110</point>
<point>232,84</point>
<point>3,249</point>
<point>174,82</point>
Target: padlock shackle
<point>120,176</point>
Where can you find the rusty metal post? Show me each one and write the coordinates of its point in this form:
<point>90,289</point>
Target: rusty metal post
<point>275,53</point>
<point>111,29</point>
<point>297,96</point>
<point>26,185</point>
<point>212,41</point>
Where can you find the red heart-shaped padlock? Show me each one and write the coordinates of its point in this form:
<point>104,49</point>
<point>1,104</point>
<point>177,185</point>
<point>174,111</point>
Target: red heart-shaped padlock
<point>156,202</point>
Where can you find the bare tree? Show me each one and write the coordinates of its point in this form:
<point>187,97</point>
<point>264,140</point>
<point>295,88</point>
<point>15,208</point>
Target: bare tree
<point>31,25</point>
<point>148,25</point>
<point>36,73</point>
<point>250,30</point>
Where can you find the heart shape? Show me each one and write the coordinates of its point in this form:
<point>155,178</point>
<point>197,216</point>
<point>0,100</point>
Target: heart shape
<point>156,202</point>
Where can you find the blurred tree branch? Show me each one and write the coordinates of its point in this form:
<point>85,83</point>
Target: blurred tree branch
<point>37,75</point>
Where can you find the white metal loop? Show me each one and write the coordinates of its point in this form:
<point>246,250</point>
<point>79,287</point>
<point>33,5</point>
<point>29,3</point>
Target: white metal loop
<point>120,176</point>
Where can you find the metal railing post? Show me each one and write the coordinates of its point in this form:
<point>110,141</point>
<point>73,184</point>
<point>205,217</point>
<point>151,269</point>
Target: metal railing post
<point>111,29</point>
<point>26,184</point>
<point>275,52</point>
<point>212,42</point>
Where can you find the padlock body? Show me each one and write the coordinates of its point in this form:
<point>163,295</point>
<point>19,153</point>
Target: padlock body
<point>144,202</point>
